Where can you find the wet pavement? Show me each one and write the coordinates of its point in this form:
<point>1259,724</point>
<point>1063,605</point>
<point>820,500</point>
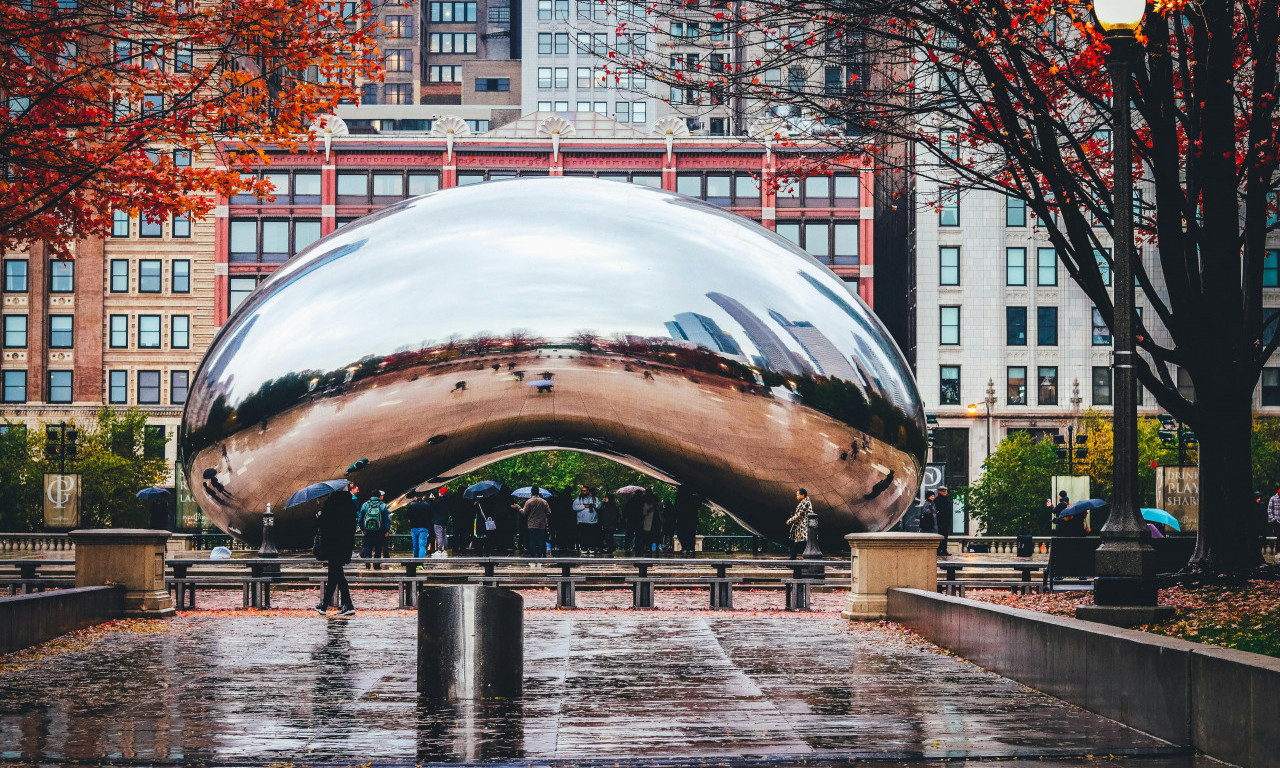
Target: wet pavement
<point>600,686</point>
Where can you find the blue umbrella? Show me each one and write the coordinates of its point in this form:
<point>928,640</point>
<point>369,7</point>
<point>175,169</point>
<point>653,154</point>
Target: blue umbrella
<point>1080,507</point>
<point>315,491</point>
<point>151,494</point>
<point>485,489</point>
<point>1150,514</point>
<point>527,491</point>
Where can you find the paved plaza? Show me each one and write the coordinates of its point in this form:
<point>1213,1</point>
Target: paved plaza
<point>600,686</point>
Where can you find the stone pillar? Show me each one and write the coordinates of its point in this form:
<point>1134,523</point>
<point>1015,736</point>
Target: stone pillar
<point>130,557</point>
<point>881,561</point>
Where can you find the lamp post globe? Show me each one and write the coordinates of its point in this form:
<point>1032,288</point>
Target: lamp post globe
<point>1114,15</point>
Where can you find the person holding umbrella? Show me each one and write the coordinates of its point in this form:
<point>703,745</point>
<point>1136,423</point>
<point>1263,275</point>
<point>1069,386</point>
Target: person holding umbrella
<point>337,532</point>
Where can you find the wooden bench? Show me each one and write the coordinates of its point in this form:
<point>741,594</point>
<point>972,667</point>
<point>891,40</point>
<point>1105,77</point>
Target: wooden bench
<point>720,589</point>
<point>957,588</point>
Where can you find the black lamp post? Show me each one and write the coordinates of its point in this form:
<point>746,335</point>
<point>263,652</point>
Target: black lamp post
<point>1125,590</point>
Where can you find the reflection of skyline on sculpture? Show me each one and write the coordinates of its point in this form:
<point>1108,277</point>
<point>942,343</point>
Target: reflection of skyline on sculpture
<point>654,312</point>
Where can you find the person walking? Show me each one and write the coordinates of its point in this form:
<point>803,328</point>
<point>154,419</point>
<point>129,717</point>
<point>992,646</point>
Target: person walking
<point>688,503</point>
<point>799,523</point>
<point>417,514</point>
<point>375,521</point>
<point>440,507</point>
<point>337,530</point>
<point>650,524</point>
<point>942,504</point>
<point>608,522</point>
<point>537,516</point>
<point>928,514</point>
<point>1273,512</point>
<point>584,507</point>
<point>483,527</point>
<point>632,519</point>
<point>564,523</point>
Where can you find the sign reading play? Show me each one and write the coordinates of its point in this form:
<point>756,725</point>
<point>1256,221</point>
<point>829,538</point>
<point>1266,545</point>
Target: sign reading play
<point>62,501</point>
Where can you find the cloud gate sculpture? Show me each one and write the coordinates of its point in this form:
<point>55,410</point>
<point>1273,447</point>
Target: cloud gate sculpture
<point>455,329</point>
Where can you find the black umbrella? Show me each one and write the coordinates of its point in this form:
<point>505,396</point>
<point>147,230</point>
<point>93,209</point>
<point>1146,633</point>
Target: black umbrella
<point>154,494</point>
<point>485,489</point>
<point>1080,507</point>
<point>315,491</point>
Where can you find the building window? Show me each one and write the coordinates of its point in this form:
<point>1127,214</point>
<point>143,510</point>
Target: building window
<point>181,276</point>
<point>1015,212</point>
<point>949,385</point>
<point>398,93</point>
<point>61,332</point>
<point>1101,385</point>
<point>15,386</point>
<point>182,225</point>
<point>275,241</point>
<point>845,243</point>
<point>149,272</point>
<point>62,276</point>
<point>119,275</point>
<point>15,275</point>
<point>423,184</point>
<point>180,332</point>
<point>388,185</point>
<point>15,331</point>
<point>244,240</point>
<point>544,77</point>
<point>453,42</point>
<point>546,43</point>
<point>948,266</point>
<point>453,13</point>
<point>1271,269</point>
<point>150,226</point>
<point>119,331</point>
<point>400,27</point>
<point>1015,324</point>
<point>399,60</point>
<point>949,207</point>
<point>354,185</point>
<point>59,386</point>
<point>239,290</point>
<point>1186,389</point>
<point>815,238</point>
<point>1016,381</point>
<point>1015,266</point>
<point>562,77</point>
<point>817,191</point>
<point>148,387</point>
<point>639,112</point>
<point>1101,333</point>
<point>1103,257</point>
<point>148,331</point>
<point>444,74</point>
<point>1046,266</point>
<point>493,84</point>
<point>117,387</point>
<point>949,325</point>
<point>179,383</point>
<point>120,224</point>
<point>1047,326</point>
<point>1047,385</point>
<point>1271,386</point>
<point>305,232</point>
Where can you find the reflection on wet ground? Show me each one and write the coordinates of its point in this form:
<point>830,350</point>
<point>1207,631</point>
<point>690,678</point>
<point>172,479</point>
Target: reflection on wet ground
<point>615,686</point>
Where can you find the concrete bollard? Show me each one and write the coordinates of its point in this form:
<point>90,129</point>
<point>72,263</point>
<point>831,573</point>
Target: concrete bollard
<point>470,642</point>
<point>129,557</point>
<point>880,561</point>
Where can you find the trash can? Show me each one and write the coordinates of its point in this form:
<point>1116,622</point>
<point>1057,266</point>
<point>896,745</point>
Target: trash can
<point>470,642</point>
<point>1025,545</point>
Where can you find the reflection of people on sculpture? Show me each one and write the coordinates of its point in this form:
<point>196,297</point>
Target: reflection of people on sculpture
<point>633,517</point>
<point>336,539</point>
<point>799,522</point>
<point>584,507</point>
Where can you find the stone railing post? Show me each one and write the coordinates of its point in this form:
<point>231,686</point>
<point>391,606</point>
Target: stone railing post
<point>129,557</point>
<point>881,561</point>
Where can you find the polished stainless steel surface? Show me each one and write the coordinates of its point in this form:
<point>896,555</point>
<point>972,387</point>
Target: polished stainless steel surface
<point>479,322</point>
<point>470,642</point>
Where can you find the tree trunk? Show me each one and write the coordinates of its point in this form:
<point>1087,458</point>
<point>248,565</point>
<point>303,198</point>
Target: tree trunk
<point>1228,542</point>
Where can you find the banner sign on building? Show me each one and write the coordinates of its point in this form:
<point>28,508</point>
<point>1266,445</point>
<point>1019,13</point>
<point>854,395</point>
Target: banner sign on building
<point>62,501</point>
<point>1178,493</point>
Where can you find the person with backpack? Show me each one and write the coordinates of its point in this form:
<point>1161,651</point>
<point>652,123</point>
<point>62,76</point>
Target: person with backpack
<point>335,538</point>
<point>375,521</point>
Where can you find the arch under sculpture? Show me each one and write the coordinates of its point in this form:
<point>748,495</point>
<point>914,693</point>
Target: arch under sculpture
<point>457,328</point>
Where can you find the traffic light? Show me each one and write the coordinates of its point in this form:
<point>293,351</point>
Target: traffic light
<point>60,442</point>
<point>1168,429</point>
<point>69,448</point>
<point>52,441</point>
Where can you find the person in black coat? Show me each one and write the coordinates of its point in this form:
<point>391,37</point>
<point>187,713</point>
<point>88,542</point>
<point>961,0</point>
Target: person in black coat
<point>609,518</point>
<point>687,505</point>
<point>942,506</point>
<point>633,519</point>
<point>337,527</point>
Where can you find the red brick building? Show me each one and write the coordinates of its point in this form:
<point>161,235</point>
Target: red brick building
<point>828,215</point>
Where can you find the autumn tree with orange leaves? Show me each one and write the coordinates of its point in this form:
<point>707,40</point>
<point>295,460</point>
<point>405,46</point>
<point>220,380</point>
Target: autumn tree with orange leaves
<point>1013,96</point>
<point>99,95</point>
